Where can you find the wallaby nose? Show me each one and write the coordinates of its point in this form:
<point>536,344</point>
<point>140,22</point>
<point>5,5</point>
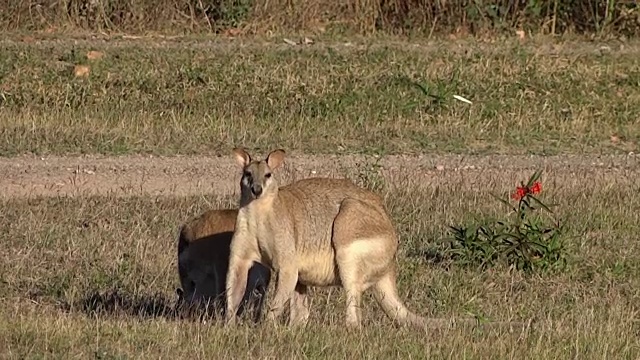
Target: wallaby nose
<point>256,190</point>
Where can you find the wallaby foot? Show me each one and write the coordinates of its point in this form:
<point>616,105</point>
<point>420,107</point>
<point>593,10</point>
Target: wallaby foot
<point>299,306</point>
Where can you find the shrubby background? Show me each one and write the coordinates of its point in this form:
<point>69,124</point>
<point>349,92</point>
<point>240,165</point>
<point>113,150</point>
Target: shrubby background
<point>358,16</point>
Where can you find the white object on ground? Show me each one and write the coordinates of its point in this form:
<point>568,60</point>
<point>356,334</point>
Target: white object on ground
<point>458,97</point>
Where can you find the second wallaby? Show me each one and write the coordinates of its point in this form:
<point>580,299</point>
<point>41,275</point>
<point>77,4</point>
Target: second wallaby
<point>313,232</point>
<point>203,259</point>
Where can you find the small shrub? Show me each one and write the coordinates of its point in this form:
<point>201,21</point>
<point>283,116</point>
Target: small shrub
<point>525,239</point>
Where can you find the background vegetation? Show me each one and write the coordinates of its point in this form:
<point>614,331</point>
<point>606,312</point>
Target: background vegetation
<point>360,16</point>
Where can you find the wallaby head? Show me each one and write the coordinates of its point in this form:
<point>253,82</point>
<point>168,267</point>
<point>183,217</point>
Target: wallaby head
<point>257,180</point>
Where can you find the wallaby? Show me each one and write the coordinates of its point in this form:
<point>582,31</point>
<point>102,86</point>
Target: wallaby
<point>203,259</point>
<point>313,232</point>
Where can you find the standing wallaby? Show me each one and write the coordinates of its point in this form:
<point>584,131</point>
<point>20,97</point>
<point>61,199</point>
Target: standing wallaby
<point>313,232</point>
<point>203,259</point>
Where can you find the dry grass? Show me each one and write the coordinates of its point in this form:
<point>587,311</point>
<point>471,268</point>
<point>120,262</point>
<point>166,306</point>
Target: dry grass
<point>63,258</point>
<point>394,16</point>
<point>199,97</point>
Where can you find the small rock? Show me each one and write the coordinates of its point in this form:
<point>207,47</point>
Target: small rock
<point>81,70</point>
<point>233,32</point>
<point>94,55</point>
<point>440,167</point>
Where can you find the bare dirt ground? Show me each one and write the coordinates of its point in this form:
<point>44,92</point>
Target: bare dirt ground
<point>542,46</point>
<point>28,176</point>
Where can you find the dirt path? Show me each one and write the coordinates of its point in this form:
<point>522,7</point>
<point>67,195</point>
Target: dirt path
<point>540,46</point>
<point>28,176</point>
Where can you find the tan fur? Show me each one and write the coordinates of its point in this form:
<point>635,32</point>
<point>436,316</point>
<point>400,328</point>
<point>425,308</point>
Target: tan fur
<point>203,258</point>
<point>314,232</point>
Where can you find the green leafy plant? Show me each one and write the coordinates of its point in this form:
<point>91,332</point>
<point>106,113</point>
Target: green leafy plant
<point>525,239</point>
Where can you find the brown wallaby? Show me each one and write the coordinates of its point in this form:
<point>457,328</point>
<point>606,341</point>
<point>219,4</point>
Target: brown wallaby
<point>313,232</point>
<point>203,259</point>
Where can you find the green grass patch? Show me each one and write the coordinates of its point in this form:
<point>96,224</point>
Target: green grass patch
<point>144,97</point>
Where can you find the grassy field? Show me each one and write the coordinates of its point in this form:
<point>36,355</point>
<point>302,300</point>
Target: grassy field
<point>543,97</point>
<point>93,276</point>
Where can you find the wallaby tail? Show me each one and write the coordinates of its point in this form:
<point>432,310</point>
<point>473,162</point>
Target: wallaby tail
<point>183,239</point>
<point>387,296</point>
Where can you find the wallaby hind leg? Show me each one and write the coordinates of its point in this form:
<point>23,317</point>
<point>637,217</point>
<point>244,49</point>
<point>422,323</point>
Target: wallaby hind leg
<point>349,268</point>
<point>363,252</point>
<point>286,280</point>
<point>299,306</point>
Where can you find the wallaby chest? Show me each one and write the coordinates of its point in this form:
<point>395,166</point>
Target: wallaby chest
<point>260,225</point>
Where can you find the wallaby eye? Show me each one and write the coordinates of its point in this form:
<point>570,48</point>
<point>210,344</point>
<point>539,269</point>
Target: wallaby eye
<point>268,175</point>
<point>246,174</point>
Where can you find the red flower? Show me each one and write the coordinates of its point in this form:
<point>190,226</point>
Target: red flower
<point>521,191</point>
<point>536,188</point>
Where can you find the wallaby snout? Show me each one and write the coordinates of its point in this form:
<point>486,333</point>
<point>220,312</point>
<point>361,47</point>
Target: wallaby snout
<point>256,190</point>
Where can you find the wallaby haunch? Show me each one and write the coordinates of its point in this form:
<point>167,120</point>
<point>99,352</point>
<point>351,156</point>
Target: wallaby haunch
<point>203,259</point>
<point>313,232</point>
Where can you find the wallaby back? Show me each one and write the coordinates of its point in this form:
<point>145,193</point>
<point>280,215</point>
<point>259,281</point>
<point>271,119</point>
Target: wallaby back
<point>308,208</point>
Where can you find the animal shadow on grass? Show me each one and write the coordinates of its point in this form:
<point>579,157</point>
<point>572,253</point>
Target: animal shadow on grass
<point>111,302</point>
<point>118,303</point>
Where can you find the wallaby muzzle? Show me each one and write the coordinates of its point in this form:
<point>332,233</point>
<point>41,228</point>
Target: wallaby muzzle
<point>256,190</point>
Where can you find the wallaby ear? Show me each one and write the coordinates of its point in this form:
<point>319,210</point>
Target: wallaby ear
<point>242,157</point>
<point>275,158</point>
